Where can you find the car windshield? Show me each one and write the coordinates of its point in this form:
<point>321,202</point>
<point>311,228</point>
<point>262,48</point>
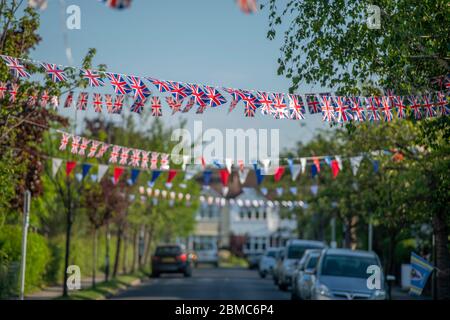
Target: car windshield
<point>168,250</point>
<point>347,266</point>
<point>297,251</point>
<point>203,246</point>
<point>271,254</point>
<point>312,262</point>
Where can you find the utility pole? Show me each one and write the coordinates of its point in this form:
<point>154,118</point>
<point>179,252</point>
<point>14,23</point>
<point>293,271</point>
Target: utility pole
<point>26,221</point>
<point>370,237</point>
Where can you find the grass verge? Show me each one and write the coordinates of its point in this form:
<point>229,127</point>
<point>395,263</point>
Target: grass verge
<point>108,289</point>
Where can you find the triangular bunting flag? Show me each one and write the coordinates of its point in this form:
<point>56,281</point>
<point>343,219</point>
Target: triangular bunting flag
<point>56,163</point>
<point>243,175</point>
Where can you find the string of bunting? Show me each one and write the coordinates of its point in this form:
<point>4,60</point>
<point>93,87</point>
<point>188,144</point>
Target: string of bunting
<point>334,109</point>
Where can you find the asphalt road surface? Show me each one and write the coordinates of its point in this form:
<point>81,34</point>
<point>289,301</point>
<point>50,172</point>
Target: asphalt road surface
<point>208,283</point>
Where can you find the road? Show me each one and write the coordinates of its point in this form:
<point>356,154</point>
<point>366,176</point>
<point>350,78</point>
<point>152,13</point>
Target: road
<point>208,283</point>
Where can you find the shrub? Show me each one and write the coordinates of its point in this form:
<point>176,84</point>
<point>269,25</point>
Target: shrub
<point>38,257</point>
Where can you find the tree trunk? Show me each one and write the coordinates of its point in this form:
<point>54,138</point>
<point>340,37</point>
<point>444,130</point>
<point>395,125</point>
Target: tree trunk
<point>117,257</point>
<point>440,230</point>
<point>348,233</point>
<point>125,252</point>
<point>149,244</point>
<point>94,257</point>
<point>108,238</point>
<point>135,244</point>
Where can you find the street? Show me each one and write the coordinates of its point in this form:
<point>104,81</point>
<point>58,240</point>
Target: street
<point>208,283</point>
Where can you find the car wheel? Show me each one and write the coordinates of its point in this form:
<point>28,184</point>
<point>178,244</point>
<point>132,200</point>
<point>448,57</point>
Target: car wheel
<point>188,274</point>
<point>294,296</point>
<point>216,265</point>
<point>155,275</point>
<point>262,274</point>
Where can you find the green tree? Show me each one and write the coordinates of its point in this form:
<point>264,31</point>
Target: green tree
<point>331,44</point>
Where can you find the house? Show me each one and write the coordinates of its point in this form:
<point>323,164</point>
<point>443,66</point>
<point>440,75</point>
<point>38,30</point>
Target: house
<point>238,221</point>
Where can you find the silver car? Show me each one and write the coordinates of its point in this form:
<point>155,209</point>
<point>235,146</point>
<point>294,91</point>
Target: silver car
<point>341,274</point>
<point>267,262</point>
<point>302,278</point>
<point>293,253</point>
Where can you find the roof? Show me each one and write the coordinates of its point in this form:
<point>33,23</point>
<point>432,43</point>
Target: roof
<point>305,242</point>
<point>349,252</point>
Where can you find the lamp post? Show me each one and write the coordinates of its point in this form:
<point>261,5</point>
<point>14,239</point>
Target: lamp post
<point>23,260</point>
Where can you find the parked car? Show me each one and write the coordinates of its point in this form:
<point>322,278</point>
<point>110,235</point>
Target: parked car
<point>253,260</point>
<point>293,253</point>
<point>341,274</point>
<point>278,264</point>
<point>206,253</point>
<point>171,258</point>
<point>267,262</point>
<point>302,276</point>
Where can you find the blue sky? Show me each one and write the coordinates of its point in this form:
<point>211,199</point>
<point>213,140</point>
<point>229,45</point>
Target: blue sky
<point>201,41</point>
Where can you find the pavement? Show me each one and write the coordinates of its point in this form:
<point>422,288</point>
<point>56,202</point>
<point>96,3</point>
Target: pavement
<point>207,283</point>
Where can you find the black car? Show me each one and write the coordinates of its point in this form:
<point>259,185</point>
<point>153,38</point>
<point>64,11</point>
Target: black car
<point>171,258</point>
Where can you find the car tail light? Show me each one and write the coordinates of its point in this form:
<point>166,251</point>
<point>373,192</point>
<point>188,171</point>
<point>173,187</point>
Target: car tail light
<point>182,257</point>
<point>155,258</point>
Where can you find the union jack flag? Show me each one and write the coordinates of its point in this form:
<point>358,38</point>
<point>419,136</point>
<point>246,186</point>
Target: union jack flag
<point>95,79</point>
<point>117,4</point>
<point>343,112</point>
<point>124,156</point>
<point>54,72</point>
<point>391,96</point>
<point>179,91</point>
<point>154,161</point>
<point>138,105</point>
<point>75,144</point>
<point>109,103</point>
<point>145,159</point>
<point>82,101</point>
<point>358,113</point>
<point>327,109</point>
<point>386,109</point>
<point>313,104</point>
<point>43,101</point>
<point>266,103</point>
<point>213,97</point>
<point>251,103</point>
<point>138,87</point>
<point>93,148</point>
<point>14,65</point>
<point>416,107</point>
<point>98,103</point>
<point>428,106</point>
<point>64,141</point>
<point>372,109</point>
<point>13,91</point>
<point>198,94</point>
<point>135,158</point>
<point>69,100</point>
<point>236,96</point>
<point>296,107</point>
<point>118,104</point>
<point>32,98</point>
<point>3,89</point>
<point>189,105</point>
<point>102,150</point>
<point>162,86</point>
<point>118,83</point>
<point>114,156</point>
<point>156,107</point>
<point>54,101</point>
<point>83,146</point>
<point>164,163</point>
<point>400,107</point>
<point>442,103</point>
<point>175,105</point>
<point>280,110</point>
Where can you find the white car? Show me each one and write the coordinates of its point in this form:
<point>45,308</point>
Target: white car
<point>302,279</point>
<point>206,253</point>
<point>293,253</point>
<point>267,262</point>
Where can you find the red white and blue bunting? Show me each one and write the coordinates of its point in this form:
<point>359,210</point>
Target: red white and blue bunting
<point>185,96</point>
